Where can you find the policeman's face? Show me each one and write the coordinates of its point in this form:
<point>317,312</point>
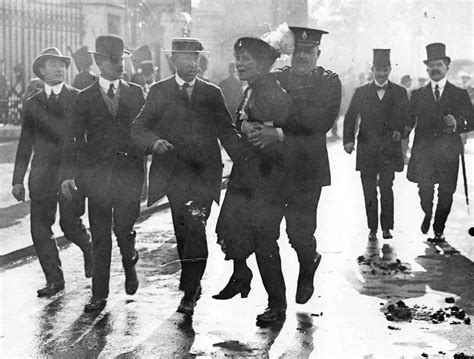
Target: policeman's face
<point>53,71</point>
<point>247,67</point>
<point>381,73</point>
<point>437,69</point>
<point>110,68</point>
<point>186,64</point>
<point>304,59</point>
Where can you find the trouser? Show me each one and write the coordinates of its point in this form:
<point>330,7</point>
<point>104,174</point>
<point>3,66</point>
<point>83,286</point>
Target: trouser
<point>124,213</point>
<point>445,200</point>
<point>370,181</point>
<point>301,221</point>
<point>190,213</point>
<point>43,216</point>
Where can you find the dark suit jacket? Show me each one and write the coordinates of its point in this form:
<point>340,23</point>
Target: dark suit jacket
<point>436,149</point>
<point>378,119</point>
<point>99,153</point>
<point>317,98</point>
<point>43,131</point>
<point>193,130</point>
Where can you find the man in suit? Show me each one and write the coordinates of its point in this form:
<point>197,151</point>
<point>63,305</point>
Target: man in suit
<point>383,110</point>
<point>180,124</point>
<point>46,121</point>
<point>316,94</point>
<point>100,161</point>
<point>441,112</point>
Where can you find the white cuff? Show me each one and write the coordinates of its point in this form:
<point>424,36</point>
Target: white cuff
<point>281,135</point>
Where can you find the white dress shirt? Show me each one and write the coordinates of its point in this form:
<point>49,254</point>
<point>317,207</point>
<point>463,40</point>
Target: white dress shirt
<point>56,89</point>
<point>380,93</point>
<point>441,84</point>
<point>181,82</point>
<point>105,84</point>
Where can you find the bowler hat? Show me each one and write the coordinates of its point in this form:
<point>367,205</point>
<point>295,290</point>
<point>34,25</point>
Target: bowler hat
<point>381,58</point>
<point>259,49</point>
<point>186,44</point>
<point>307,37</point>
<point>48,53</point>
<point>147,67</point>
<point>436,51</point>
<point>140,54</point>
<point>110,46</point>
<point>82,57</point>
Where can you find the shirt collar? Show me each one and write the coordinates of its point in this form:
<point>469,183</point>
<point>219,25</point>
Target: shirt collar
<point>181,82</point>
<point>105,84</point>
<point>441,83</point>
<point>381,85</point>
<point>56,89</point>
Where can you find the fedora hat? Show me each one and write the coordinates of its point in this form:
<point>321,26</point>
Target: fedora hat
<point>436,51</point>
<point>186,44</point>
<point>49,53</point>
<point>110,46</point>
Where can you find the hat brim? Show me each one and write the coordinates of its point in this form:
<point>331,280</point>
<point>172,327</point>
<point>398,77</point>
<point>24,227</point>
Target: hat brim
<point>189,51</point>
<point>126,54</point>
<point>438,58</point>
<point>41,58</point>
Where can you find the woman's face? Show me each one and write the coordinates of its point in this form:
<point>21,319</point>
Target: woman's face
<point>247,67</point>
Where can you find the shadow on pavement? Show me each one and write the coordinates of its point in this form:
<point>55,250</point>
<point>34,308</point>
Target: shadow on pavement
<point>302,345</point>
<point>10,216</point>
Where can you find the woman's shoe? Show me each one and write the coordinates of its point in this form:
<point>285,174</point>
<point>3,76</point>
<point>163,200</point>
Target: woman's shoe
<point>236,286</point>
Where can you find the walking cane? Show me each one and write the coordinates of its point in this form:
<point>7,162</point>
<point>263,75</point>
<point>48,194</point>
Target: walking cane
<point>466,192</point>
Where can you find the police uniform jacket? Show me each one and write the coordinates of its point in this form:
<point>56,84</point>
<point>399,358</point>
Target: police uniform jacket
<point>99,153</point>
<point>378,119</point>
<point>317,98</point>
<point>193,128</point>
<point>436,148</point>
<point>45,126</point>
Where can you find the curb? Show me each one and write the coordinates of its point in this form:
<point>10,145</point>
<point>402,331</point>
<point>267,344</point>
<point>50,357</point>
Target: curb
<point>62,242</point>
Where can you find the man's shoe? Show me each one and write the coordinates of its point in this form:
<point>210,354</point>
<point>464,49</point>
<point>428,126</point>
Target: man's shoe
<point>386,234</point>
<point>95,303</point>
<point>272,314</point>
<point>131,279</point>
<point>50,289</point>
<point>438,238</point>
<point>425,225</point>
<point>88,261</point>
<point>305,287</point>
<point>187,304</point>
<point>373,235</point>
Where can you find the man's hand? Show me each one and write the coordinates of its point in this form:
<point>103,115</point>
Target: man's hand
<point>406,131</point>
<point>18,192</point>
<point>264,137</point>
<point>251,127</point>
<point>396,136</point>
<point>162,146</point>
<point>349,147</point>
<point>68,187</point>
<point>450,121</point>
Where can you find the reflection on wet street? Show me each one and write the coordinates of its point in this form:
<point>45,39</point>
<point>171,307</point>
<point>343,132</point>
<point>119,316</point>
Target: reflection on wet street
<point>347,317</point>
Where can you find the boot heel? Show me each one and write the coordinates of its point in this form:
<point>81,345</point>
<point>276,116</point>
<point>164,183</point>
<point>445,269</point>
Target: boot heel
<point>244,293</point>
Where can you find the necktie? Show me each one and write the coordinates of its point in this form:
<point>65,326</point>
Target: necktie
<point>436,92</point>
<point>52,99</point>
<point>184,92</point>
<point>381,88</point>
<point>111,92</point>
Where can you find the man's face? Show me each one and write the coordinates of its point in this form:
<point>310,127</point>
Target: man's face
<point>53,71</point>
<point>187,64</point>
<point>437,69</point>
<point>304,59</point>
<point>110,68</point>
<point>381,73</point>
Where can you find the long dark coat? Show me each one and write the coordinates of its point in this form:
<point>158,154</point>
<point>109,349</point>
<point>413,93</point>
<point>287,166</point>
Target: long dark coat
<point>99,153</point>
<point>378,119</point>
<point>43,132</point>
<point>435,152</point>
<point>194,131</point>
<point>317,99</point>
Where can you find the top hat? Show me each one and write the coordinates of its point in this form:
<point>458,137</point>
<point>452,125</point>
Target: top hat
<point>48,53</point>
<point>381,58</point>
<point>436,51</point>
<point>110,46</point>
<point>259,49</point>
<point>306,37</point>
<point>186,44</point>
<point>82,57</point>
<point>147,67</point>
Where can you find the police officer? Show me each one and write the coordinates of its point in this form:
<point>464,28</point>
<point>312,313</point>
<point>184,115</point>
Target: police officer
<point>316,94</point>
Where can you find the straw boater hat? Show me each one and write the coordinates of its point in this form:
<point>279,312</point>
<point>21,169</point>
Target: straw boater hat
<point>48,53</point>
<point>110,46</point>
<point>186,44</point>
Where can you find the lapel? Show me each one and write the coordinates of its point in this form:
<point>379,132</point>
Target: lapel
<point>95,94</point>
<point>196,91</point>
<point>428,95</point>
<point>124,95</point>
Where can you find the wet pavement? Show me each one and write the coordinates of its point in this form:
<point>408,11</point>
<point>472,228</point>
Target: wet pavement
<point>346,318</point>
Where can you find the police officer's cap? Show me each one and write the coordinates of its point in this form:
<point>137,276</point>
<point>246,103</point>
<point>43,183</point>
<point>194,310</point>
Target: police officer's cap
<point>306,37</point>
